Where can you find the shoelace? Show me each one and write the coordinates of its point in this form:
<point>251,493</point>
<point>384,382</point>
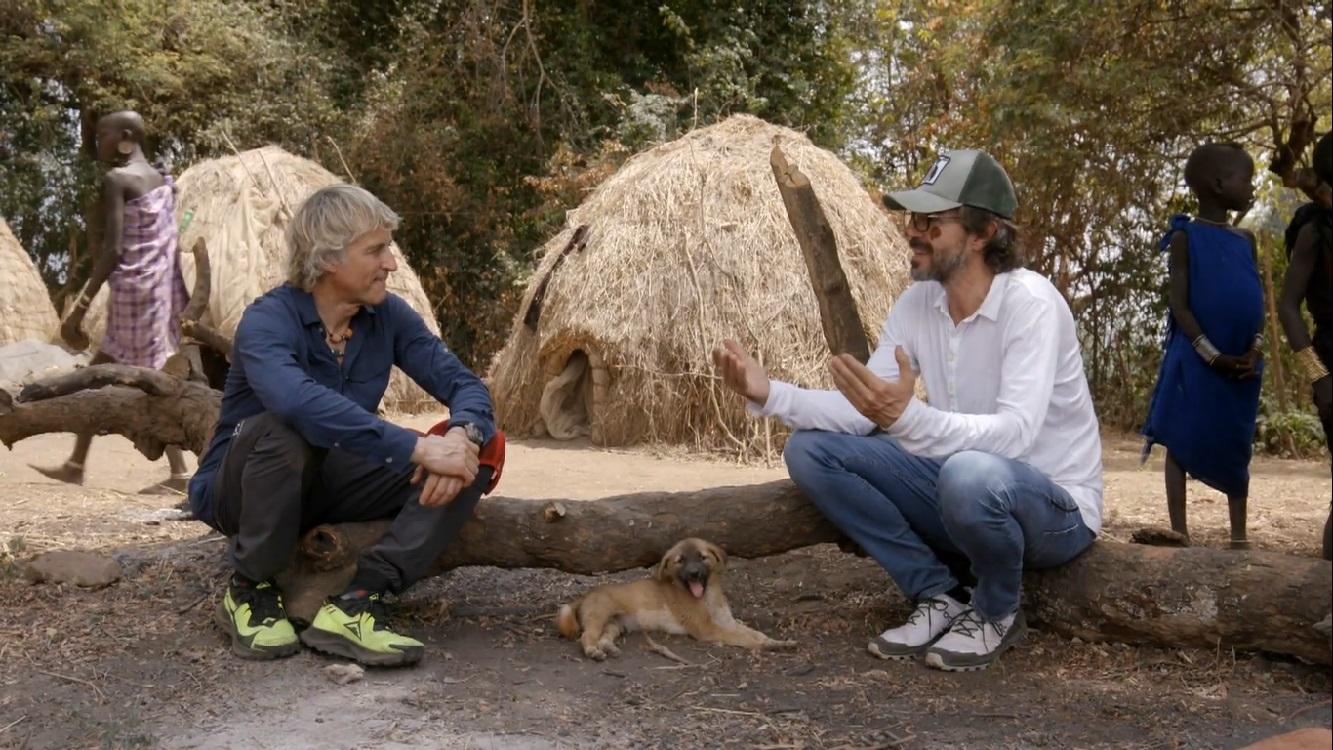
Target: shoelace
<point>971,625</point>
<point>968,624</point>
<point>372,604</point>
<point>265,602</point>
<point>925,608</point>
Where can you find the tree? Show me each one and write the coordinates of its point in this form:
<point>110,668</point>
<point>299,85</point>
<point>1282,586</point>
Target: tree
<point>1093,108</point>
<point>201,73</point>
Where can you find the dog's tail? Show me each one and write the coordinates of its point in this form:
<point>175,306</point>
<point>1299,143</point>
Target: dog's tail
<point>567,620</point>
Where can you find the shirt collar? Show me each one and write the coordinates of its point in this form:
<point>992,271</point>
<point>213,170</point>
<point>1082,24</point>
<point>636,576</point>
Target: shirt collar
<point>990,307</point>
<point>305,306</point>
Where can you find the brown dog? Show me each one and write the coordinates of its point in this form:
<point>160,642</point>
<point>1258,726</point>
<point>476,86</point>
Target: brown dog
<point>684,595</point>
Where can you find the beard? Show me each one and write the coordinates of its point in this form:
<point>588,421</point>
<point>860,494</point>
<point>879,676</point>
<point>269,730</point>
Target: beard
<point>941,266</point>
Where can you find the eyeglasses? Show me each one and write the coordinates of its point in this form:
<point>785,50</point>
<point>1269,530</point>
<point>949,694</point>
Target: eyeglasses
<point>923,222</point>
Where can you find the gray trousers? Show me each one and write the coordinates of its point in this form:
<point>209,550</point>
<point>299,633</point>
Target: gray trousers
<point>273,486</point>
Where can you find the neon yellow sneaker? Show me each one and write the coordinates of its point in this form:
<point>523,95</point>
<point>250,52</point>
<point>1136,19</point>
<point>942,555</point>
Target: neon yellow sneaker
<point>253,615</point>
<point>358,628</point>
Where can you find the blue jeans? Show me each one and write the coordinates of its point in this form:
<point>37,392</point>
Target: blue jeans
<point>923,519</point>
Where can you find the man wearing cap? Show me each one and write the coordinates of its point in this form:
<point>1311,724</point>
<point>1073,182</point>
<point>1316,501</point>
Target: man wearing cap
<point>1000,471</point>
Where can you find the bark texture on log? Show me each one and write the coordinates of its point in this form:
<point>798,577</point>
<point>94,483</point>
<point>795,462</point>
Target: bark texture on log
<point>837,309</point>
<point>615,533</point>
<point>149,407</point>
<point>1192,596</point>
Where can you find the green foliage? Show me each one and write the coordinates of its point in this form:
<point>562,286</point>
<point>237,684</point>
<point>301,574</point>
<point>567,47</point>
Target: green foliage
<point>200,72</point>
<point>485,101</point>
<point>483,122</point>
<point>1293,434</point>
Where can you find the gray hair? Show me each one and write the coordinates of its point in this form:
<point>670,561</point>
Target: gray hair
<point>326,224</point>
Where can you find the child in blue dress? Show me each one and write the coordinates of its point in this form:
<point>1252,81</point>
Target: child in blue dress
<point>1204,407</point>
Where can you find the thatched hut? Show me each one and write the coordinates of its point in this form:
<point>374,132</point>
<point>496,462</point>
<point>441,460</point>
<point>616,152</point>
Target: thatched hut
<point>687,244</point>
<point>240,205</point>
<point>26,312</point>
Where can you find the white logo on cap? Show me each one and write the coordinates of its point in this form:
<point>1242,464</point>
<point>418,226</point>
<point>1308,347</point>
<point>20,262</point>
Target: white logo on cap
<point>936,171</point>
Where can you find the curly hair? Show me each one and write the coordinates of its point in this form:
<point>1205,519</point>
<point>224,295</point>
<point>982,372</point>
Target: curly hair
<point>1002,252</point>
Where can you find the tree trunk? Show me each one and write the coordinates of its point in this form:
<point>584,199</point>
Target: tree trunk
<point>837,309</point>
<point>1274,352</point>
<point>1190,597</point>
<point>150,408</point>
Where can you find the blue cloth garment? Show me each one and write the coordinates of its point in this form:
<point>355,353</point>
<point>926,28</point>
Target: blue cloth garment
<point>282,364</point>
<point>1206,419</point>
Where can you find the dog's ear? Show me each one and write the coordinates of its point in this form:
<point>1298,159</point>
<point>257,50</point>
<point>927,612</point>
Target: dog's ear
<point>660,569</point>
<point>718,552</point>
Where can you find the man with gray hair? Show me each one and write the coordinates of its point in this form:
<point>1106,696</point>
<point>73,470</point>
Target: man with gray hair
<point>298,441</point>
<point>1001,470</point>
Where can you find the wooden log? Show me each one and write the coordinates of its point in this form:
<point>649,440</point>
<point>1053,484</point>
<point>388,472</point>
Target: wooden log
<point>149,407</point>
<point>207,336</point>
<point>1191,597</point>
<point>837,309</point>
<point>615,533</point>
<point>577,241</point>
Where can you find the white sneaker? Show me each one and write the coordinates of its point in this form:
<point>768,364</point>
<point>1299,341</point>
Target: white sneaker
<point>925,625</point>
<point>973,642</point>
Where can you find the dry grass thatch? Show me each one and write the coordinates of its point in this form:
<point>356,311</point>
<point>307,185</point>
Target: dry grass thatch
<point>26,312</point>
<point>687,244</point>
<point>240,205</point>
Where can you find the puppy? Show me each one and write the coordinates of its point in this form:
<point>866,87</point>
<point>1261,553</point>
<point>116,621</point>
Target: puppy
<point>684,595</point>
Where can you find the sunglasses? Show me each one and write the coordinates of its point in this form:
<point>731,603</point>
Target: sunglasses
<point>923,222</point>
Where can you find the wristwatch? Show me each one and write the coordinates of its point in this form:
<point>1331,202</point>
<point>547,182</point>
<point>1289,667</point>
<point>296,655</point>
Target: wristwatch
<point>472,433</point>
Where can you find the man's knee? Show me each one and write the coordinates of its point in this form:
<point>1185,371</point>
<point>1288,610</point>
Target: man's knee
<point>968,485</point>
<point>806,450</point>
<point>278,441</point>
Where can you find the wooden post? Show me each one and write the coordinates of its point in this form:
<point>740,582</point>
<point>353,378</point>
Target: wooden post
<point>1274,352</point>
<point>837,309</point>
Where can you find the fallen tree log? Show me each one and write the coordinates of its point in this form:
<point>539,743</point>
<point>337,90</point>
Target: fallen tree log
<point>1191,597</point>
<point>151,408</point>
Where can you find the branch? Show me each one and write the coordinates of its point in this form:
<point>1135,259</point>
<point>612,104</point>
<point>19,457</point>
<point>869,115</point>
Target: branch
<point>149,381</point>
<point>149,407</point>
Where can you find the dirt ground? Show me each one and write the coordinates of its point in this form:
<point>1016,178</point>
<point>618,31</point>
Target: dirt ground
<point>139,663</point>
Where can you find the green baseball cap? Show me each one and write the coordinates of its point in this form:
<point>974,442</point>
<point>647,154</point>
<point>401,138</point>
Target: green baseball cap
<point>965,177</point>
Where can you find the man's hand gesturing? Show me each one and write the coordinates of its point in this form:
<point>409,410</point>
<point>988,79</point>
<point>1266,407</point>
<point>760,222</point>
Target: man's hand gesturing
<point>881,401</point>
<point>741,372</point>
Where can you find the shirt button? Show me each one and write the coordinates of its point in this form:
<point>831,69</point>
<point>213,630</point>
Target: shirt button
<point>337,445</point>
<point>388,460</point>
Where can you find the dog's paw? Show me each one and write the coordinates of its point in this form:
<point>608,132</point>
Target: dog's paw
<point>594,652</point>
<point>610,649</point>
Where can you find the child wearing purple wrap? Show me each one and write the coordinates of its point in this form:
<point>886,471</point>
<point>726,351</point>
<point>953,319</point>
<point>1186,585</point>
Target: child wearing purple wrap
<point>141,263</point>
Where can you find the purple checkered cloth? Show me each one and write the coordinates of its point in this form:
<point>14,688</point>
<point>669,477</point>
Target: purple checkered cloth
<point>147,289</point>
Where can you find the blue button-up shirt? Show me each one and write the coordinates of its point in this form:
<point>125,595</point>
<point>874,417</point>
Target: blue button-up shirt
<point>282,364</point>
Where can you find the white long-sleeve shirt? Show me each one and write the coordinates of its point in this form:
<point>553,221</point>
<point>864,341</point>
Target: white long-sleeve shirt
<point>1007,380</point>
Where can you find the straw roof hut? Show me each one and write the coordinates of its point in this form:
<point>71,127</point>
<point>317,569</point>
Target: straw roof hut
<point>240,205</point>
<point>26,311</point>
<point>687,244</point>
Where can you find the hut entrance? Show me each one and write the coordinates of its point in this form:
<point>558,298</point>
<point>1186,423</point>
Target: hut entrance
<point>566,397</point>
